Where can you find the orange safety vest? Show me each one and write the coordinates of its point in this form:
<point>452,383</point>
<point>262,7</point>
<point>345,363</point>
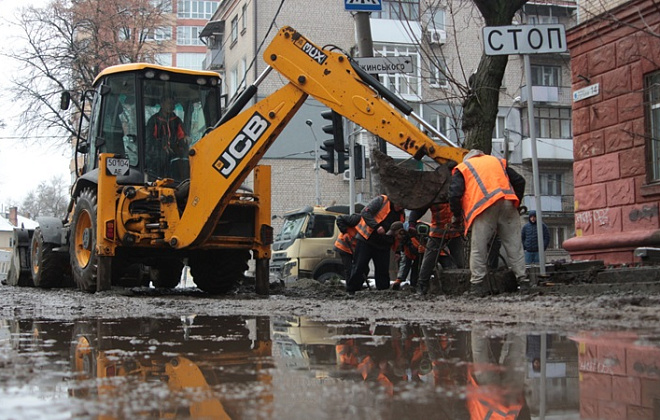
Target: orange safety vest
<point>486,182</point>
<point>412,249</point>
<point>440,217</point>
<point>483,406</point>
<point>346,241</point>
<point>366,230</point>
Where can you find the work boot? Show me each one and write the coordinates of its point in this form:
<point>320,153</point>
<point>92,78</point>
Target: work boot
<point>478,289</point>
<point>523,283</point>
<point>396,285</point>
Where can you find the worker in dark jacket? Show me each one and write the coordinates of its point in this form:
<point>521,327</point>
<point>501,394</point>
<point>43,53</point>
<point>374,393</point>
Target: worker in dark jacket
<point>375,239</point>
<point>345,243</point>
<point>440,236</point>
<point>530,241</point>
<point>484,194</point>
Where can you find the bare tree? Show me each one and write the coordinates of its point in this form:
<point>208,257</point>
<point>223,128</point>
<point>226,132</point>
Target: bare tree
<point>50,198</point>
<point>474,95</point>
<point>66,43</point>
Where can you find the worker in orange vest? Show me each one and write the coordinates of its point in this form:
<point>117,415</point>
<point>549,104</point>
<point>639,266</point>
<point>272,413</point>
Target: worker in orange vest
<point>374,240</point>
<point>409,249</point>
<point>484,195</point>
<point>440,235</point>
<point>345,243</point>
<point>495,384</point>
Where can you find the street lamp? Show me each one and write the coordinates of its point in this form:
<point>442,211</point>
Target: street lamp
<point>316,162</point>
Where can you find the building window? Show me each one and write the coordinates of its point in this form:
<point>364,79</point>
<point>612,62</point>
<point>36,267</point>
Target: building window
<point>234,29</point>
<point>196,9</point>
<point>233,82</point>
<point>192,61</point>
<point>542,20</point>
<point>546,75</point>
<point>160,34</point>
<point>398,10</point>
<point>438,74</point>
<point>244,18</point>
<point>500,126</point>
<point>437,20</point>
<point>188,35</point>
<point>164,6</point>
<point>653,115</point>
<point>408,86</point>
<point>551,123</point>
<point>164,59</point>
<point>550,183</point>
<point>557,237</point>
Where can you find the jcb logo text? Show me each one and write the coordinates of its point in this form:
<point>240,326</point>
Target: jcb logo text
<point>241,145</point>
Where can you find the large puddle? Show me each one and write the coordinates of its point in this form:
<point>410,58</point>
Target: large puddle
<point>295,368</point>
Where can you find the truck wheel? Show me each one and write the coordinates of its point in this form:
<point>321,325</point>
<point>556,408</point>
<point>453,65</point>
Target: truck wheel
<point>48,266</point>
<point>166,274</point>
<point>328,274</point>
<point>218,272</point>
<point>84,259</point>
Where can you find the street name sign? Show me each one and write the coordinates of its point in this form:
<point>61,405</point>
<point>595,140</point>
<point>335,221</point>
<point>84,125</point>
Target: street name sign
<point>524,39</point>
<point>385,65</point>
<point>363,5</point>
<point>586,92</point>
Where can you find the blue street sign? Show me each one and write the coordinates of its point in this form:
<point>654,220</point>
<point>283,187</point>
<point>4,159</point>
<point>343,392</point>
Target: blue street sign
<point>363,5</point>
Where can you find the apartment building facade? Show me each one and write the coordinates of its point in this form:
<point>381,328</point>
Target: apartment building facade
<point>180,36</point>
<point>443,40</point>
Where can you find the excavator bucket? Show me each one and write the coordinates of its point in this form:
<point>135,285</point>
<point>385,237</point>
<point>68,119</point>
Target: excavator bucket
<point>410,188</point>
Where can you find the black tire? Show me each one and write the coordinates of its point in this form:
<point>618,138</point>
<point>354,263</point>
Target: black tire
<point>48,266</point>
<point>82,251</point>
<point>218,272</point>
<point>166,274</point>
<point>328,274</point>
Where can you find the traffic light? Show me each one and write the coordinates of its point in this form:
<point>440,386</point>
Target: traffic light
<point>359,162</point>
<point>329,156</point>
<point>335,129</point>
<point>342,162</point>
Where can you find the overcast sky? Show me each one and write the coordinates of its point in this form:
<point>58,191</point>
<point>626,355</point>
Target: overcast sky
<point>23,164</point>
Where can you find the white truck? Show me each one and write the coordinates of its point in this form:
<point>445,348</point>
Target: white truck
<point>304,247</point>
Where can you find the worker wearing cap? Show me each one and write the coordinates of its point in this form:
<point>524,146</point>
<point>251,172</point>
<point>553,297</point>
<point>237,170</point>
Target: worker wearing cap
<point>484,195</point>
<point>375,237</point>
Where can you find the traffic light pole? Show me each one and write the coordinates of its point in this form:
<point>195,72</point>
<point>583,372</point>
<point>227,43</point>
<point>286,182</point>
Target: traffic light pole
<point>316,163</point>
<point>351,169</point>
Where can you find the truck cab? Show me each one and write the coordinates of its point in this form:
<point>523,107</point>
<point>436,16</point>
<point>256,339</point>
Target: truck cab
<point>304,247</point>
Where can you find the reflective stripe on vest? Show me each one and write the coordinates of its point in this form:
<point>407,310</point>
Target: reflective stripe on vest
<point>346,241</point>
<point>486,182</point>
<point>366,230</point>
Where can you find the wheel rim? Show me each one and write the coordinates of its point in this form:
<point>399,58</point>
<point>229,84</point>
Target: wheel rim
<point>83,240</point>
<point>35,256</point>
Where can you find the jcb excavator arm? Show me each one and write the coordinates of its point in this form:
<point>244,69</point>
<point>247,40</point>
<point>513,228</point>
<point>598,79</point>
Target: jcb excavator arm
<point>242,140</point>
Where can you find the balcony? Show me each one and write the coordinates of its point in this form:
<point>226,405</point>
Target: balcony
<point>548,94</point>
<point>551,203</point>
<point>548,149</point>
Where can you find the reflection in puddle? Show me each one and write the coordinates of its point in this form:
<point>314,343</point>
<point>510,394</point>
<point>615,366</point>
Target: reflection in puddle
<point>295,368</point>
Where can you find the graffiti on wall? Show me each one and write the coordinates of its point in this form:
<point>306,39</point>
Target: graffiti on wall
<point>647,212</point>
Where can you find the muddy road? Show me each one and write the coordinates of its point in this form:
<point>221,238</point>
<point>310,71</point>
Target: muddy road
<point>627,306</point>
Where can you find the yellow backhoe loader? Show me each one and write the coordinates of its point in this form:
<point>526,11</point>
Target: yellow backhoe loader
<point>161,168</point>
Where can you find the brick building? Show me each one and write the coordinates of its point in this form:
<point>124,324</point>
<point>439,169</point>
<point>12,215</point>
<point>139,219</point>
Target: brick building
<point>615,61</point>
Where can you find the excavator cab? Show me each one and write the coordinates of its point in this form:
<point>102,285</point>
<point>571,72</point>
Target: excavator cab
<point>150,115</point>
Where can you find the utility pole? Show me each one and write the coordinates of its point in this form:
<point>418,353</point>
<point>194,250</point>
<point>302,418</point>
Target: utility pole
<point>366,49</point>
<point>316,163</point>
